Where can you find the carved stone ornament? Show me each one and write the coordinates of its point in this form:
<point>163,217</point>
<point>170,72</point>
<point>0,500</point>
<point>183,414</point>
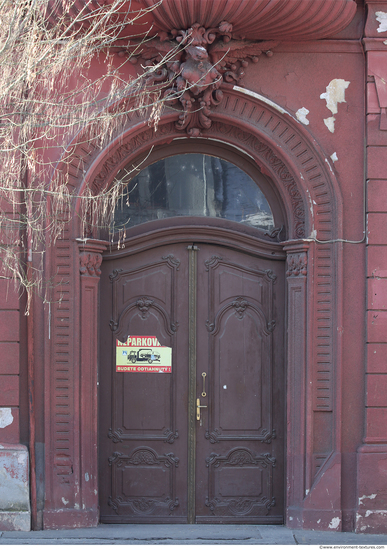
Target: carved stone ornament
<point>269,19</point>
<point>297,265</point>
<point>90,263</point>
<point>199,60</point>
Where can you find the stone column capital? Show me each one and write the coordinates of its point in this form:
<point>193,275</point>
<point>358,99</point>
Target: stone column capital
<point>90,256</point>
<point>297,258</point>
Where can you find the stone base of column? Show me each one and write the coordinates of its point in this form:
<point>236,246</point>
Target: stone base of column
<point>371,516</point>
<point>320,508</point>
<point>70,519</point>
<point>15,512</point>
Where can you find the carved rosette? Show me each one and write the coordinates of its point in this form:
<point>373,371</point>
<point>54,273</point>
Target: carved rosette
<point>143,305</point>
<point>240,305</point>
<point>90,263</point>
<point>297,265</point>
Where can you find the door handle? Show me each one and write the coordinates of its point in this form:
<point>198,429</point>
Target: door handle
<point>198,407</point>
<point>204,384</point>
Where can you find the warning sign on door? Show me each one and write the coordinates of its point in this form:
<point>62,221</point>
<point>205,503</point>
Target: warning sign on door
<point>143,354</point>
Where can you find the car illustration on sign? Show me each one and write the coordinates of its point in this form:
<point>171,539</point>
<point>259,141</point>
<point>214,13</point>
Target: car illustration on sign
<point>138,353</point>
<point>143,355</point>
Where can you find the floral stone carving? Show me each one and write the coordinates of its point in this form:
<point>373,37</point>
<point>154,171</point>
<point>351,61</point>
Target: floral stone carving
<point>199,60</point>
<point>90,264</point>
<point>297,265</point>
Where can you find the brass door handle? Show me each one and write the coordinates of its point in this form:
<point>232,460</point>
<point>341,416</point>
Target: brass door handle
<point>198,407</point>
<point>204,384</point>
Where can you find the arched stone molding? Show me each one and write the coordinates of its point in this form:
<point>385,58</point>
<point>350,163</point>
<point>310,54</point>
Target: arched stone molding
<point>305,182</point>
<point>278,143</point>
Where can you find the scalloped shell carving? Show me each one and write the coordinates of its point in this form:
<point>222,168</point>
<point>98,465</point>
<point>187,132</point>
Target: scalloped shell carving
<point>258,19</point>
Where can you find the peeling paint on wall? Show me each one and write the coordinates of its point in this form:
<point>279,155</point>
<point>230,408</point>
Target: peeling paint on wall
<point>334,157</point>
<point>301,115</point>
<point>261,98</point>
<point>312,214</point>
<point>335,93</point>
<point>367,496</point>
<point>334,523</point>
<point>329,165</point>
<point>6,417</point>
<point>381,16</point>
<point>330,123</point>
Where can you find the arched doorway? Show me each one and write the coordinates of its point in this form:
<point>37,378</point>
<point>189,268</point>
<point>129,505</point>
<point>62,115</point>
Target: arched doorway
<point>306,186</point>
<point>197,435</point>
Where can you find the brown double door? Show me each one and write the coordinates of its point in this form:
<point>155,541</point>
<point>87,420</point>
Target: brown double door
<point>161,458</point>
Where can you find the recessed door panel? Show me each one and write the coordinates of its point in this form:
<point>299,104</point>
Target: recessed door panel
<point>239,361</point>
<point>153,281</point>
<point>242,284</point>
<point>146,388</point>
<point>240,439</point>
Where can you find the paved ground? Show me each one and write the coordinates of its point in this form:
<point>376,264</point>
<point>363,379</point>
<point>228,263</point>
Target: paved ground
<point>193,534</point>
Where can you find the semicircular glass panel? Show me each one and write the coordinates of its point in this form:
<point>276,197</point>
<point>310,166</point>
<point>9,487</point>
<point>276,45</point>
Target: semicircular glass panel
<point>192,185</point>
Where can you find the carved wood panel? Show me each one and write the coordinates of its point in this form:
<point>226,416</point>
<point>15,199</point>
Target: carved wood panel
<point>137,313</point>
<point>240,467</point>
<point>240,327</point>
<point>144,437</point>
<point>142,454</point>
<point>130,478</point>
<point>242,437</point>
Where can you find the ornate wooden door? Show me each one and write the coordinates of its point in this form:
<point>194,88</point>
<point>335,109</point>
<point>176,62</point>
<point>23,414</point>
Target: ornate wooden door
<point>204,442</point>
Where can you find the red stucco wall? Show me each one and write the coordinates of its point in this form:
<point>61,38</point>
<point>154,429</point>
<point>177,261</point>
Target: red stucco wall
<point>355,153</point>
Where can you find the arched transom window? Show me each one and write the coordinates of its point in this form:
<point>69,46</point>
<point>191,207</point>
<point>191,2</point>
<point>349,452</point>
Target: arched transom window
<point>192,184</point>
